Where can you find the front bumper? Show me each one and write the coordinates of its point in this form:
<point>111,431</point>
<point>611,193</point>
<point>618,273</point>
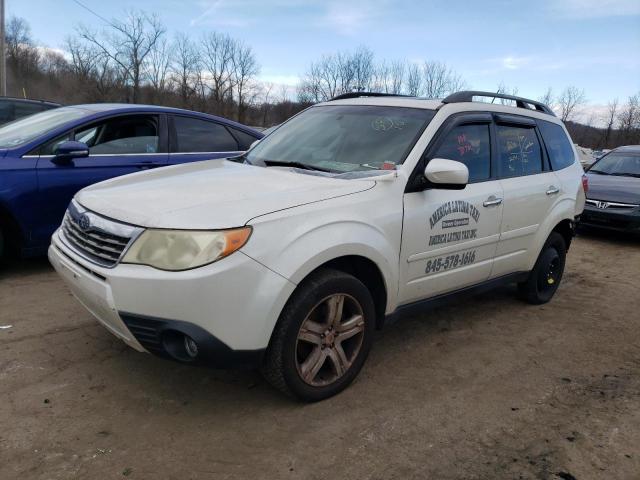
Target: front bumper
<point>627,220</point>
<point>229,307</point>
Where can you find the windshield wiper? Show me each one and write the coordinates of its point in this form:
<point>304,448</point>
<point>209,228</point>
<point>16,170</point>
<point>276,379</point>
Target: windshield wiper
<point>601,172</point>
<point>277,163</point>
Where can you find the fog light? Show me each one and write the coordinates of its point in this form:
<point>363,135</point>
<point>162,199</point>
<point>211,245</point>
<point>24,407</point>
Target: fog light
<point>190,346</point>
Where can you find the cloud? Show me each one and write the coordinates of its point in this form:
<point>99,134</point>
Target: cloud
<point>513,62</point>
<point>217,12</point>
<point>352,18</point>
<point>594,8</point>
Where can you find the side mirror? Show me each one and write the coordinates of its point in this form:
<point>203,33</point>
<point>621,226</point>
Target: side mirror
<point>67,151</point>
<point>447,174</point>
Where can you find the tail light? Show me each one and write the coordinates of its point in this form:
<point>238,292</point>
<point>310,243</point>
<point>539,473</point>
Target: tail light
<point>585,183</point>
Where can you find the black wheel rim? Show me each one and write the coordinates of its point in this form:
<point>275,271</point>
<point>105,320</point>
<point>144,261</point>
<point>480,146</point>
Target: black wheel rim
<point>550,274</point>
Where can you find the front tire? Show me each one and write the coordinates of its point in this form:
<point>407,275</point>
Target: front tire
<point>322,338</point>
<point>544,279</point>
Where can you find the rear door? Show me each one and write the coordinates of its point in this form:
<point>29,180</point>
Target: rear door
<point>530,190</point>
<point>449,237</point>
<point>117,146</point>
<point>193,139</point>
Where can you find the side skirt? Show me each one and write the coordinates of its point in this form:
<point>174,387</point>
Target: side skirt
<point>415,308</point>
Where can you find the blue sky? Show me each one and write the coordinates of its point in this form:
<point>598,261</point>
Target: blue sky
<point>592,44</point>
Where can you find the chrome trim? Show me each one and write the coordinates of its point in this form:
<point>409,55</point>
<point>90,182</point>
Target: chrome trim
<point>90,243</point>
<point>603,204</point>
<point>204,153</point>
<point>138,154</point>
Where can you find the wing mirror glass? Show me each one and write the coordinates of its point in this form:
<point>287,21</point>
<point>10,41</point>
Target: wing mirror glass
<point>446,174</point>
<point>67,151</point>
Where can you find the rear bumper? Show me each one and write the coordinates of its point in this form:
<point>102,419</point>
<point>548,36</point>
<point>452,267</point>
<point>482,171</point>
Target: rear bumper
<point>611,218</point>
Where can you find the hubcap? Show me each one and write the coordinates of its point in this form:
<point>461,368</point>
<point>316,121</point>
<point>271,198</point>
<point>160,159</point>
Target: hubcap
<point>329,339</point>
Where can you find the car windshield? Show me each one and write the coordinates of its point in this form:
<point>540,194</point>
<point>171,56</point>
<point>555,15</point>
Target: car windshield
<point>24,130</point>
<point>344,138</point>
<point>621,164</point>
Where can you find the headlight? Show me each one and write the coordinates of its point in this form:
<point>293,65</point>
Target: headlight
<point>184,249</point>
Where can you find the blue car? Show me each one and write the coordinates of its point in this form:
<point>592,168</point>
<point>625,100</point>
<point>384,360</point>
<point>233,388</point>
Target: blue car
<point>47,157</point>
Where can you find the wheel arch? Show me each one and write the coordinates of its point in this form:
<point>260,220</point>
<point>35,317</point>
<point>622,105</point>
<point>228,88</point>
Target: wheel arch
<point>368,272</point>
<point>10,228</point>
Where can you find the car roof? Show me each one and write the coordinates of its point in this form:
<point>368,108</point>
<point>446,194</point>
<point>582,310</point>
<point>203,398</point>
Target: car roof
<point>135,107</point>
<point>627,149</point>
<point>437,104</point>
<point>29,100</point>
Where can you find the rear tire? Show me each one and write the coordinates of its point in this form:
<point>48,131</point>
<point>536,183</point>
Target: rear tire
<point>544,279</point>
<point>322,338</point>
<point>2,246</point>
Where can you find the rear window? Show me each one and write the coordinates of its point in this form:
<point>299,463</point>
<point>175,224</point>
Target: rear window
<point>194,135</point>
<point>518,151</point>
<point>558,146</point>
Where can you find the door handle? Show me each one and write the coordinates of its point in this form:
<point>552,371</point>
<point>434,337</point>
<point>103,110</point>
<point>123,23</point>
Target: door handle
<point>552,190</point>
<point>492,201</point>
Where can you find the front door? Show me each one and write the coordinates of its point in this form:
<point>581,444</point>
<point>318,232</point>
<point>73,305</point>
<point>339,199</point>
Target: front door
<point>449,237</point>
<point>117,146</point>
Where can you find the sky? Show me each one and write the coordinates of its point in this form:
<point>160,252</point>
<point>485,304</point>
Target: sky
<point>526,44</point>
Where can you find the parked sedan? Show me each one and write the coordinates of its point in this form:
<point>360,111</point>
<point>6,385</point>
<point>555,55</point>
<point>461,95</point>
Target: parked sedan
<point>613,200</point>
<point>47,157</point>
<point>15,108</point>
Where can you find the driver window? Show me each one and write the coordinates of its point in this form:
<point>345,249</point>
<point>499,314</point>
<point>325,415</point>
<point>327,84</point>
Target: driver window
<point>469,144</point>
<point>121,135</point>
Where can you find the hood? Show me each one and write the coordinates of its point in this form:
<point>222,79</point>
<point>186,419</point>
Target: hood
<point>614,188</point>
<point>209,195</point>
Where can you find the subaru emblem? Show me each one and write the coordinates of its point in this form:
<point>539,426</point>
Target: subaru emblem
<point>84,222</point>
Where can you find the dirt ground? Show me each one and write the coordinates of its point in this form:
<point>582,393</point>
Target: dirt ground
<point>489,388</point>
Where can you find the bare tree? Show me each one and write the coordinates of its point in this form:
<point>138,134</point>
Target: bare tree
<point>158,64</point>
<point>629,120</point>
<point>84,58</point>
<point>438,80</point>
<point>22,56</point>
<point>184,67</point>
<point>571,99</point>
<point>547,98</point>
<point>414,80</point>
<point>218,61</point>
<point>612,112</point>
<point>128,43</point>
<point>245,69</point>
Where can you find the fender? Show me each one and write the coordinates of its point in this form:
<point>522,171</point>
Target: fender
<point>300,252</point>
<point>562,210</point>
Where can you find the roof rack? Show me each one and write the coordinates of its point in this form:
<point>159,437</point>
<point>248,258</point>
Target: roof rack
<point>345,96</point>
<point>467,96</point>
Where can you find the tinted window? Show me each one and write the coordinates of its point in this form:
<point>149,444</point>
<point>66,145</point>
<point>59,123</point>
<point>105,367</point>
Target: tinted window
<point>244,139</point>
<point>133,134</point>
<point>195,135</point>
<point>558,146</point>
<point>518,151</point>
<point>470,145</point>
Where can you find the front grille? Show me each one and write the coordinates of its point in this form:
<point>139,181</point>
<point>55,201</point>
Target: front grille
<point>602,204</point>
<point>96,238</point>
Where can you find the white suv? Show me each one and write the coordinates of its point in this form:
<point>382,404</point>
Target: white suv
<point>352,212</point>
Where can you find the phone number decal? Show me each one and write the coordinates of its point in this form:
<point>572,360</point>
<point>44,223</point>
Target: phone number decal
<point>450,262</point>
